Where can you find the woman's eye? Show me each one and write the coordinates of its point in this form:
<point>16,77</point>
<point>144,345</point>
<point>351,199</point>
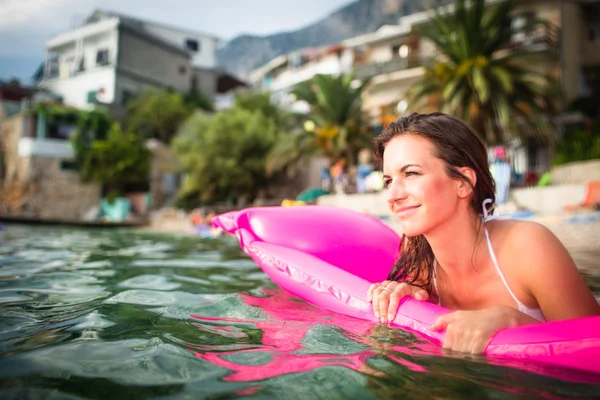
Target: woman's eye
<point>410,173</point>
<point>387,182</point>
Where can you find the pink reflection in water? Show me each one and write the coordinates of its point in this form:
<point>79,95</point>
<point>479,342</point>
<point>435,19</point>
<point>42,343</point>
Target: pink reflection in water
<point>285,325</point>
<point>286,322</point>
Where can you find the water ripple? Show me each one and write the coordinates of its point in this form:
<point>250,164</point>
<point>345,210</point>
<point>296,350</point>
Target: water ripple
<point>119,314</point>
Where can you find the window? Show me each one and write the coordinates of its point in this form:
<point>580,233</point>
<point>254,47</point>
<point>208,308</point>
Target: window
<point>68,165</point>
<point>126,95</point>
<point>92,96</point>
<point>60,130</point>
<point>102,57</point>
<point>182,69</point>
<point>192,45</point>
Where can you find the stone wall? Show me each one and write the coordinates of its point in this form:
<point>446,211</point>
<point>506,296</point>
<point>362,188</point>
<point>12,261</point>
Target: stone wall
<point>13,169</point>
<point>57,194</point>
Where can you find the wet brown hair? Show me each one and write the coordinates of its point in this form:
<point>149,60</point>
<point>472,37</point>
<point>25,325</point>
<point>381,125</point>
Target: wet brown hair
<point>457,145</point>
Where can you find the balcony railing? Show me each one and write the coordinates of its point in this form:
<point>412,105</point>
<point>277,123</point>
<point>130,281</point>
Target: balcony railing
<point>542,37</point>
<point>393,65</point>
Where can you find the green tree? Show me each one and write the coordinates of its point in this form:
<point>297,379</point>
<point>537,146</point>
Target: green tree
<point>333,127</point>
<point>223,156</point>
<point>157,114</point>
<point>580,145</point>
<point>116,161</point>
<point>477,79</point>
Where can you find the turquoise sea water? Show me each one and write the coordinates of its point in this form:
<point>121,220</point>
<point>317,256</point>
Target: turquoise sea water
<point>106,314</point>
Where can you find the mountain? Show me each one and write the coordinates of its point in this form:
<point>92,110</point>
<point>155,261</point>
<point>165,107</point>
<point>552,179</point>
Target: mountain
<point>244,53</point>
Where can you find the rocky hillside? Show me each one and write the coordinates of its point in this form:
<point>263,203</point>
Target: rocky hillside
<point>244,53</point>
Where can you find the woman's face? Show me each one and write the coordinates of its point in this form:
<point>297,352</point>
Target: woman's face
<point>420,192</point>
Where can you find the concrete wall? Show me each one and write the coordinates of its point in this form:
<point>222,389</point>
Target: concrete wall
<point>206,55</point>
<point>99,42</point>
<point>128,86</point>
<point>144,60</point>
<point>576,173</point>
<point>548,200</point>
<point>52,148</point>
<point>75,89</point>
<point>206,79</point>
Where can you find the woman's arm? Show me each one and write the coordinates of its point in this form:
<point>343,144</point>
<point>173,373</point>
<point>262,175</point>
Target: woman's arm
<point>549,274</point>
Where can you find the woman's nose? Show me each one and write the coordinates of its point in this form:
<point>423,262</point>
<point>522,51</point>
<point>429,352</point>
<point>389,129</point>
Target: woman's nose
<point>396,191</point>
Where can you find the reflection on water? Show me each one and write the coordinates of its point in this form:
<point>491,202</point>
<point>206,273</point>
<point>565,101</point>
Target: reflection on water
<point>116,314</point>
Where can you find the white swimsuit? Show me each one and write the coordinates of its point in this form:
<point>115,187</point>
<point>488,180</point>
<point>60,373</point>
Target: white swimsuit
<point>535,313</point>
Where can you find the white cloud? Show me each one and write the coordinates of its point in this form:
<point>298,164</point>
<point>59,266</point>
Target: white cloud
<point>20,13</point>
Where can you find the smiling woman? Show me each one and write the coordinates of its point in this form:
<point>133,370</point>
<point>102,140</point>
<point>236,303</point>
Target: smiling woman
<point>495,274</point>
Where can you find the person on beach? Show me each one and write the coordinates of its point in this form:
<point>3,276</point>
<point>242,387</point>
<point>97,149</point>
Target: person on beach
<point>494,273</point>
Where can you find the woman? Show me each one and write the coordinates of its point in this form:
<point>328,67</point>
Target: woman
<point>497,273</point>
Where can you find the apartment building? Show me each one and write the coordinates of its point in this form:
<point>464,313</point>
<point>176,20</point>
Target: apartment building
<point>282,73</point>
<point>110,57</point>
<point>394,57</point>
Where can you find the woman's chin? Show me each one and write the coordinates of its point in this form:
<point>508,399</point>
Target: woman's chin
<point>409,229</point>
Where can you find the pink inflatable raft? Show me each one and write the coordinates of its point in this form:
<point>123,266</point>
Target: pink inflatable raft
<point>329,257</point>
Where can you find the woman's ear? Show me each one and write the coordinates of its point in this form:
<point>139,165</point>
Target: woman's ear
<point>464,189</point>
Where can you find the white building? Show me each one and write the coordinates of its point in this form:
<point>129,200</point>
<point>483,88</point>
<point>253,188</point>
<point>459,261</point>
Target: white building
<point>111,57</point>
<point>282,73</point>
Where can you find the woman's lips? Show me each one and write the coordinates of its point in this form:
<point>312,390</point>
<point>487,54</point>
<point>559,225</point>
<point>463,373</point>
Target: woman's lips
<point>404,212</point>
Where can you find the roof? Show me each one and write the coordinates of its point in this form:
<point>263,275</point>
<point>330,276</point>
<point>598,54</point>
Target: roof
<point>383,33</point>
<point>153,38</point>
<point>99,14</point>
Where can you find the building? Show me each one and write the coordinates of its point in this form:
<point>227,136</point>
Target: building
<point>37,175</point>
<point>394,57</point>
<point>110,57</point>
<point>282,73</point>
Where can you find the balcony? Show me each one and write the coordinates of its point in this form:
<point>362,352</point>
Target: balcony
<point>393,65</point>
<point>52,148</point>
<point>542,38</point>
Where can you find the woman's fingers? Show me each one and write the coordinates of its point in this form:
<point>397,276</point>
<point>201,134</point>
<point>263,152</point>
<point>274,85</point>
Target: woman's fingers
<point>422,295</point>
<point>400,291</point>
<point>375,291</point>
<point>371,290</point>
<point>441,323</point>
<point>386,298</point>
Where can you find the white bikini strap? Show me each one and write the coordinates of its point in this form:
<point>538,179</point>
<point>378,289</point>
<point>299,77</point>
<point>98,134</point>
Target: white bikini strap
<point>486,218</point>
<point>435,282</point>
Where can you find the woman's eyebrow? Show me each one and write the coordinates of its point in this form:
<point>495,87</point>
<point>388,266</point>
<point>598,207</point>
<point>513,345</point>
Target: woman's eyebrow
<point>403,169</point>
<point>407,166</point>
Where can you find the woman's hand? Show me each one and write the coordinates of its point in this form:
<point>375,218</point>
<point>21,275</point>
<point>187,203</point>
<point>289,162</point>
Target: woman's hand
<point>471,331</point>
<point>386,298</point>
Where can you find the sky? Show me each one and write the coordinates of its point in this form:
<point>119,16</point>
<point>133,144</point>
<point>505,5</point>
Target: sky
<point>26,25</point>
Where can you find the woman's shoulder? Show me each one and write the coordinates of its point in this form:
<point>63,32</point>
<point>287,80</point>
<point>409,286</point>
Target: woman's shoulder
<point>516,232</point>
<point>525,240</point>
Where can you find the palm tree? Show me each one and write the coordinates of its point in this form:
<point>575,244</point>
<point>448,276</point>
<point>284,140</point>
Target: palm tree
<point>333,127</point>
<point>477,79</point>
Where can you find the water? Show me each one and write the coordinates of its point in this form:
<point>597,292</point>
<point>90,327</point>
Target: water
<point>116,314</point>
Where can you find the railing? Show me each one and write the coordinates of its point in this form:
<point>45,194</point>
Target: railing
<point>546,35</point>
<point>393,65</point>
